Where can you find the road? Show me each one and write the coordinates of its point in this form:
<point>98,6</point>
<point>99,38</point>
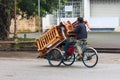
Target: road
<point>23,66</point>
<point>30,68</point>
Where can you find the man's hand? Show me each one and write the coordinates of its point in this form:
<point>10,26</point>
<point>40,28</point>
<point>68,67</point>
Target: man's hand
<point>71,34</point>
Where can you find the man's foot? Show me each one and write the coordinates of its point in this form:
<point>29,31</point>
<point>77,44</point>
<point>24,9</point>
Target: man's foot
<point>79,57</point>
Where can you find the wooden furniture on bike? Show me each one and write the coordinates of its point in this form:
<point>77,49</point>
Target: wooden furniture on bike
<point>53,36</point>
<point>49,39</point>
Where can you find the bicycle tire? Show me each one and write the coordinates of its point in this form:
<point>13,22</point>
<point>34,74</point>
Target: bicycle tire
<point>90,57</point>
<point>68,60</point>
<point>54,57</point>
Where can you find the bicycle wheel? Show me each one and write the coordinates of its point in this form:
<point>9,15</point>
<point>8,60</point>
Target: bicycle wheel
<point>68,60</point>
<point>90,57</point>
<point>54,57</point>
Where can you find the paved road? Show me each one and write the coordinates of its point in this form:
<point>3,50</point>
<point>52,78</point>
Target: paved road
<point>18,69</point>
<point>30,68</point>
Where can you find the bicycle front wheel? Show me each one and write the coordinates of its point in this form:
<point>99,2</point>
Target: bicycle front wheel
<point>54,57</point>
<point>68,60</point>
<point>90,57</point>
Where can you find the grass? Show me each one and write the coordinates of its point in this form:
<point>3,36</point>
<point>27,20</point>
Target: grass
<point>26,39</point>
<point>22,39</point>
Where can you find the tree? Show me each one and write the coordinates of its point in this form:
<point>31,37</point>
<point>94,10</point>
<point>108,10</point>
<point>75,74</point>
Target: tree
<point>26,8</point>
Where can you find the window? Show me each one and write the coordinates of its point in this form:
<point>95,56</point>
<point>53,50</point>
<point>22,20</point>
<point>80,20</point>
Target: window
<point>71,9</point>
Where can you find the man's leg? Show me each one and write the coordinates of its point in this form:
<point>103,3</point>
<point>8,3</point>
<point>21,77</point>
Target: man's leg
<point>79,49</point>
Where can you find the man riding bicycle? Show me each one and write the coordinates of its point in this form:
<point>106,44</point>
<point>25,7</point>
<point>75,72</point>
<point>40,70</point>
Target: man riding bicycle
<point>81,32</point>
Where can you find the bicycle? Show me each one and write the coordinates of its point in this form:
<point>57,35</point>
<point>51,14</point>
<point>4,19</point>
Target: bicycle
<point>89,56</point>
<point>56,56</point>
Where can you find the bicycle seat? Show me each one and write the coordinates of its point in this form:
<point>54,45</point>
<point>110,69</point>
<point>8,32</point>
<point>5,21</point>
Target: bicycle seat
<point>84,40</point>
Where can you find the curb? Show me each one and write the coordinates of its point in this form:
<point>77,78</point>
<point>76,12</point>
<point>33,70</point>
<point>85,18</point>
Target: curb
<point>99,50</point>
<point>108,50</point>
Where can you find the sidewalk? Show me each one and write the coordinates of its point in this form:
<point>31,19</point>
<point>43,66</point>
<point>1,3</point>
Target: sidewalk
<point>104,39</point>
<point>19,54</point>
<point>95,39</point>
<point>28,35</point>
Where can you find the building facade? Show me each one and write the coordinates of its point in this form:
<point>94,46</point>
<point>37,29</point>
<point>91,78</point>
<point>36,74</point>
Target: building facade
<point>101,14</point>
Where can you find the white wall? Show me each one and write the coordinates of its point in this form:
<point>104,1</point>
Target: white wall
<point>105,8</point>
<point>106,13</point>
<point>48,21</point>
<point>104,22</point>
<point>86,9</point>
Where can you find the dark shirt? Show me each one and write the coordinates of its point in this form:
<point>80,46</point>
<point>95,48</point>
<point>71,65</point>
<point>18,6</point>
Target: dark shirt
<point>81,31</point>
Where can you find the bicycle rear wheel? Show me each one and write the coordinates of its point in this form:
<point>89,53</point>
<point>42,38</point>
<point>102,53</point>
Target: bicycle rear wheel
<point>68,60</point>
<point>90,57</point>
<point>54,57</point>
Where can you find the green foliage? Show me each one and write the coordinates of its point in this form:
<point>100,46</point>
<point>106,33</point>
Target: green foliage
<point>26,8</point>
<point>30,7</point>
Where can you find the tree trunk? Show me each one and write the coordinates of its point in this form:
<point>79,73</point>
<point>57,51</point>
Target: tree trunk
<point>41,24</point>
<point>4,21</point>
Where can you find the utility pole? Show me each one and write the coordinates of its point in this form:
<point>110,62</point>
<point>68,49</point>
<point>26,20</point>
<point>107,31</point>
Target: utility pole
<point>15,26</point>
<point>59,12</point>
<point>39,15</point>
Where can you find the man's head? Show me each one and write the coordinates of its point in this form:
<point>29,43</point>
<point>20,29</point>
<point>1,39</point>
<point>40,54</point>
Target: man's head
<point>80,19</point>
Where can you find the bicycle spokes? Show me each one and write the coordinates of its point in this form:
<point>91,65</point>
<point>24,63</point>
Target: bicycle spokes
<point>90,57</point>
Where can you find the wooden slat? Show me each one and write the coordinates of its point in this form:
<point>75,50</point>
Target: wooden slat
<point>52,36</point>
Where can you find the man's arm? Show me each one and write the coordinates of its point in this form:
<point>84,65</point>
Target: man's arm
<point>87,24</point>
<point>75,30</point>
